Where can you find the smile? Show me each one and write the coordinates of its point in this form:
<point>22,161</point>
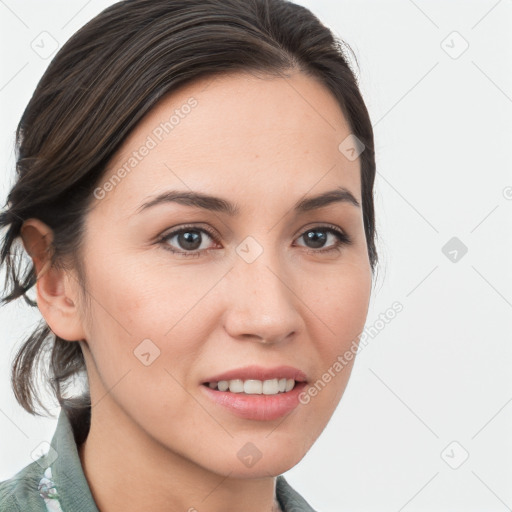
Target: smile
<point>253,386</point>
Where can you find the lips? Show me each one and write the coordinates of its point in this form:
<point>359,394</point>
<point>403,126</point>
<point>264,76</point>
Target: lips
<point>268,405</point>
<point>259,373</point>
<point>255,407</point>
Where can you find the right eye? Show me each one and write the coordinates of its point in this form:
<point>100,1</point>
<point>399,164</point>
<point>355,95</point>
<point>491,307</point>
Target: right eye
<point>189,238</point>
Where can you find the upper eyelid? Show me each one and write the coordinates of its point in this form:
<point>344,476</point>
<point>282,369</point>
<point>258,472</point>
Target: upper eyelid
<point>176,231</point>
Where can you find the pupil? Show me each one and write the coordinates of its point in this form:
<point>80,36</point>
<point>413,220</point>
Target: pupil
<point>189,240</point>
<point>318,240</point>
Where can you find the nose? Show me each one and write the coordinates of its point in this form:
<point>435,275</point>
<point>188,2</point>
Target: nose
<point>262,305</point>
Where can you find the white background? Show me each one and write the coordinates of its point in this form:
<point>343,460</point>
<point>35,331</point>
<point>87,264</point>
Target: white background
<point>440,371</point>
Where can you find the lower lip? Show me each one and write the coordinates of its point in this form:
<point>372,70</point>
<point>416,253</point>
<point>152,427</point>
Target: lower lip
<point>257,407</point>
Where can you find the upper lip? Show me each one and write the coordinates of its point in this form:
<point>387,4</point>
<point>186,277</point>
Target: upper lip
<point>260,373</point>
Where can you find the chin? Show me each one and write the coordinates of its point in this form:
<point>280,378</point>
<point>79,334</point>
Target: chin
<point>258,456</point>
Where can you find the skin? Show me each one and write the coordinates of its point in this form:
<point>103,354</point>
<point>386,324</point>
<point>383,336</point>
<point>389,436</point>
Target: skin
<point>257,142</point>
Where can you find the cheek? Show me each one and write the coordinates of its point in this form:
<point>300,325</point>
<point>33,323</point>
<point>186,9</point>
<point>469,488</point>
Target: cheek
<point>348,313</point>
<point>340,311</point>
<point>337,318</point>
<point>142,295</point>
<point>342,305</point>
<point>134,302</point>
<point>143,342</point>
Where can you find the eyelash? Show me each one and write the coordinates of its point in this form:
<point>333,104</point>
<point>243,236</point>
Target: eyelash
<point>342,240</point>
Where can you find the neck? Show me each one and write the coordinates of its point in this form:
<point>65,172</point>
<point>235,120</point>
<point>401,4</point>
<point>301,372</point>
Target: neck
<point>158,478</point>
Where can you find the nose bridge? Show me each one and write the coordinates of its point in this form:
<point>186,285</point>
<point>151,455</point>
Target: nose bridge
<point>262,302</point>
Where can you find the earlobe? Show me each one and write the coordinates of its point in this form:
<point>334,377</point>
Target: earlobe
<point>54,287</point>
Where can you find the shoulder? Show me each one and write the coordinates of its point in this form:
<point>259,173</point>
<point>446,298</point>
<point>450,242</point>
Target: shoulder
<point>20,493</point>
<point>289,499</point>
<point>8,502</point>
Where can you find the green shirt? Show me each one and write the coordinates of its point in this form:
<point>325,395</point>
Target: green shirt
<point>55,482</point>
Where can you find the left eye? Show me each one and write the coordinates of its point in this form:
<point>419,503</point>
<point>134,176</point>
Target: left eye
<point>190,240</point>
<point>318,236</point>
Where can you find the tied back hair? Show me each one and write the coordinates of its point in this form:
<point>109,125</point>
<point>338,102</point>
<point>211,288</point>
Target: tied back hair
<point>99,85</point>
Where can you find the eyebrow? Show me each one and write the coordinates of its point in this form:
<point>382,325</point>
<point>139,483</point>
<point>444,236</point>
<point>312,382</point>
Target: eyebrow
<point>217,204</point>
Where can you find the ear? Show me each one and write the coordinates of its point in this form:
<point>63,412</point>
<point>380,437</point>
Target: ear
<point>57,290</point>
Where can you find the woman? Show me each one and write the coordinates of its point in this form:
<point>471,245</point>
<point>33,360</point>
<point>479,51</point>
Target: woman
<point>194,189</point>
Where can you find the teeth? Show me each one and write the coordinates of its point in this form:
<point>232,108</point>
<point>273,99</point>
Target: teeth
<point>254,387</point>
<point>236,386</point>
<point>270,387</point>
<point>223,385</point>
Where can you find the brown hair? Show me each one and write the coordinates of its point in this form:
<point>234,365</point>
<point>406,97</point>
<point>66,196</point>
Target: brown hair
<point>99,86</point>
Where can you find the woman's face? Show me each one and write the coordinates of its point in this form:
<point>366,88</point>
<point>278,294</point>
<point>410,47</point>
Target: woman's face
<point>258,289</point>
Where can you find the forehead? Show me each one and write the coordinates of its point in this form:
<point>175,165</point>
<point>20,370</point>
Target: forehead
<point>236,132</point>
